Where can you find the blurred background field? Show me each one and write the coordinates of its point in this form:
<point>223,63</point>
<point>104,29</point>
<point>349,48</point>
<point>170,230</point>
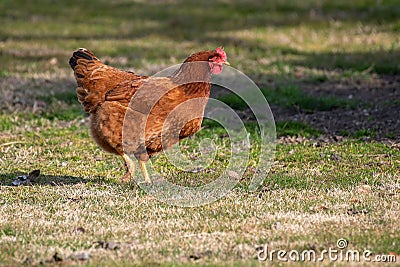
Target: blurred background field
<point>341,54</point>
<point>329,69</point>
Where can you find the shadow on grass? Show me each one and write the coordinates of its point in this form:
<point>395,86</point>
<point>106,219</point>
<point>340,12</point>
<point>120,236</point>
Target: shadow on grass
<point>380,61</point>
<point>53,180</point>
<point>377,60</point>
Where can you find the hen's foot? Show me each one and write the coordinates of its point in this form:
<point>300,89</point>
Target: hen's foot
<point>127,177</point>
<point>147,179</point>
<point>131,168</point>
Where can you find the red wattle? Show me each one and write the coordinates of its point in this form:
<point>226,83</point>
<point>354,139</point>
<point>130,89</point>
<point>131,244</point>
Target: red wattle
<point>216,68</point>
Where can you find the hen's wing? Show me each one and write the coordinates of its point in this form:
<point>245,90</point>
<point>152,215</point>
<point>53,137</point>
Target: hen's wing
<point>124,91</point>
<point>144,104</point>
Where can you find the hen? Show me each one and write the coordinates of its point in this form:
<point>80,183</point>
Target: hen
<point>142,115</point>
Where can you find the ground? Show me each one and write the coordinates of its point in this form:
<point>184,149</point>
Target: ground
<point>329,70</point>
<point>374,113</point>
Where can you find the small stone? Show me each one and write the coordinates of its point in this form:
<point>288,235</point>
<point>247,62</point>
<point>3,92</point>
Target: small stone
<point>364,189</point>
<point>53,61</point>
<point>233,174</point>
<point>112,245</point>
<point>276,225</point>
<point>82,256</point>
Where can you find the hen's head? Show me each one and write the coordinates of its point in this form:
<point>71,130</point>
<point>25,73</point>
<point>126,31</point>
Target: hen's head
<point>215,58</point>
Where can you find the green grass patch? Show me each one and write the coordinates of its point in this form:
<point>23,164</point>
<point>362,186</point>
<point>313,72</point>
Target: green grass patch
<point>68,97</point>
<point>363,133</point>
<point>4,73</point>
<point>7,231</point>
<point>62,106</point>
<point>6,122</point>
<point>295,128</point>
<point>64,114</point>
<point>291,96</point>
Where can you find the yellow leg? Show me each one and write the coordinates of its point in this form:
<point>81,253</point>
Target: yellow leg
<point>144,171</point>
<point>131,168</point>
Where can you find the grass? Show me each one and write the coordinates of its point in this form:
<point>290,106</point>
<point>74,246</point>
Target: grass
<point>293,128</point>
<point>291,96</point>
<point>320,188</point>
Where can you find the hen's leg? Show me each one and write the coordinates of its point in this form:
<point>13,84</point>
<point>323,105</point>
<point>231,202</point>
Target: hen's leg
<point>144,171</point>
<point>131,168</point>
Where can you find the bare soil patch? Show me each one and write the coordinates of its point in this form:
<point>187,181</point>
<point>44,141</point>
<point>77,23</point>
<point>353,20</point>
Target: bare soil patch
<point>377,114</point>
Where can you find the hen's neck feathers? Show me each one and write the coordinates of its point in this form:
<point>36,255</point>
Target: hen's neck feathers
<point>195,69</point>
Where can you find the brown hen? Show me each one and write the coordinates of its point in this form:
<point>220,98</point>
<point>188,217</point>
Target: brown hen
<point>141,115</point>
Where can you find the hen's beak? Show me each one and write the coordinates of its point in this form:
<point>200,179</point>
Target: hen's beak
<point>226,63</point>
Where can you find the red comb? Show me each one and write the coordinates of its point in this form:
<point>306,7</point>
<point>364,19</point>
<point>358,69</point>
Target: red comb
<point>221,52</point>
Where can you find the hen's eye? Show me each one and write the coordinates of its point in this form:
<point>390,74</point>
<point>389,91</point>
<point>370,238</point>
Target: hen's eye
<point>214,58</point>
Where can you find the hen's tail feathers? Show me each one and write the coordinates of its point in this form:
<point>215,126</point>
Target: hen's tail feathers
<point>81,53</point>
<point>84,63</point>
